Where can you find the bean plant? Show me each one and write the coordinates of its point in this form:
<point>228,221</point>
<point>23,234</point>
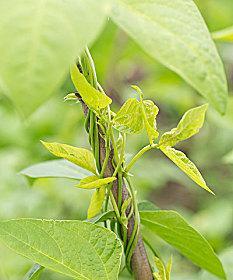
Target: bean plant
<point>111,239</point>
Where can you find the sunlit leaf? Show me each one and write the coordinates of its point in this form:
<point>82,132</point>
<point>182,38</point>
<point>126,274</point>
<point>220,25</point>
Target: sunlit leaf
<point>188,167</point>
<point>161,274</point>
<point>37,50</point>
<point>225,35</point>
<point>174,33</point>
<point>76,249</point>
<point>79,156</point>
<point>189,125</point>
<point>169,268</point>
<point>96,203</point>
<point>129,118</point>
<point>58,168</point>
<point>92,97</point>
<point>173,229</point>
<point>94,182</point>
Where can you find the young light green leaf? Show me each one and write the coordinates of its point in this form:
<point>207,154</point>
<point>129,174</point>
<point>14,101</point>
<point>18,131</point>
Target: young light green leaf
<point>47,38</point>
<point>79,156</point>
<point>174,33</point>
<point>34,273</point>
<point>189,125</point>
<point>150,111</point>
<point>76,249</point>
<point>186,166</point>
<point>161,274</point>
<point>94,182</point>
<point>172,228</point>
<point>225,35</point>
<point>92,97</point>
<point>129,118</point>
<point>96,202</point>
<point>169,268</point>
<point>58,168</point>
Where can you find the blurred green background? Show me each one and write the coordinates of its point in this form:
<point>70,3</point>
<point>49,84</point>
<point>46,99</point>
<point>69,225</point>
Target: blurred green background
<point>120,63</point>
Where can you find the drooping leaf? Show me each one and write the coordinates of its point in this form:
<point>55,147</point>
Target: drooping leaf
<point>173,229</point>
<point>34,273</point>
<point>174,33</point>
<point>96,202</point>
<point>129,118</point>
<point>76,249</point>
<point>37,51</point>
<point>151,111</point>
<point>94,182</point>
<point>189,125</point>
<point>225,35</point>
<point>92,97</point>
<point>58,168</point>
<point>188,167</point>
<point>79,156</point>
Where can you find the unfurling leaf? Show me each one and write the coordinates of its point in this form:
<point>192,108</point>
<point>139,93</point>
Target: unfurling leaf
<point>225,35</point>
<point>92,97</point>
<point>79,250</point>
<point>135,115</point>
<point>161,274</point>
<point>94,182</point>
<point>188,167</point>
<point>129,118</point>
<point>96,202</point>
<point>150,111</point>
<point>189,125</point>
<point>173,229</point>
<point>79,156</point>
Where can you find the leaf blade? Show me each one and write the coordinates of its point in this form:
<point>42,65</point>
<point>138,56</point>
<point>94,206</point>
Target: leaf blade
<point>172,228</point>
<point>30,237</point>
<point>94,182</point>
<point>79,156</point>
<point>96,203</point>
<point>188,167</point>
<point>175,34</point>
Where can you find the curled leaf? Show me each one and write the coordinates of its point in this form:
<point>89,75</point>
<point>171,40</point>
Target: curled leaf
<point>94,182</point>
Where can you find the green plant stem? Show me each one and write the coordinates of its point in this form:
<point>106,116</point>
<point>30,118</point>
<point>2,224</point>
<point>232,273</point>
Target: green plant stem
<point>139,155</point>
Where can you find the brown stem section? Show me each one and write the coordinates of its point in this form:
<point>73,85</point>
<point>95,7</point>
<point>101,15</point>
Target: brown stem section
<point>139,262</point>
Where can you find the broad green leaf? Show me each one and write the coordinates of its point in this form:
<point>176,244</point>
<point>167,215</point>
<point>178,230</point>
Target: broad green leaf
<point>76,249</point>
<point>58,168</point>
<point>96,203</point>
<point>34,273</point>
<point>129,118</point>
<point>189,125</point>
<point>174,33</point>
<point>173,229</point>
<point>225,35</point>
<point>94,182</point>
<point>79,156</point>
<point>37,51</point>
<point>151,111</point>
<point>161,274</point>
<point>92,97</point>
<point>188,167</point>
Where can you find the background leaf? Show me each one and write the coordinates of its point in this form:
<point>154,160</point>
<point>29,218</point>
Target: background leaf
<point>174,33</point>
<point>172,228</point>
<point>225,35</point>
<point>34,273</point>
<point>77,249</point>
<point>57,168</point>
<point>37,51</point>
